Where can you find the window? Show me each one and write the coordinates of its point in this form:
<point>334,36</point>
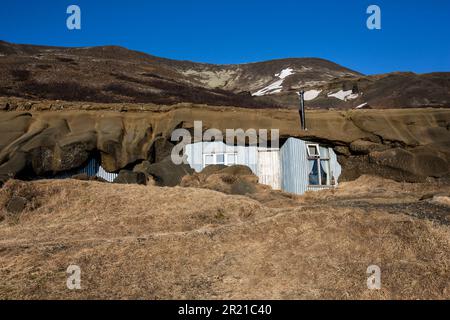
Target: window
<point>318,165</point>
<point>220,158</point>
<point>313,150</point>
<point>209,159</point>
<point>227,159</point>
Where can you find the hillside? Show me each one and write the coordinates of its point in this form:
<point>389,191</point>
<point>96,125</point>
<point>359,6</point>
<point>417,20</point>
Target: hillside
<point>112,74</point>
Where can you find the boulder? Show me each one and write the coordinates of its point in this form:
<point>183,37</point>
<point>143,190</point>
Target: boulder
<point>242,187</point>
<point>237,179</point>
<point>422,162</point>
<point>236,170</point>
<point>211,169</point>
<point>142,167</point>
<point>130,177</point>
<point>342,150</point>
<point>162,148</point>
<point>366,147</point>
<point>165,173</point>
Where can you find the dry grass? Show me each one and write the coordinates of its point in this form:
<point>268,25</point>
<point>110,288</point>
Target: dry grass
<point>149,242</point>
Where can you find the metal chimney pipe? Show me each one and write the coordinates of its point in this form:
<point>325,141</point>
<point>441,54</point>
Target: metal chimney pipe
<point>301,111</point>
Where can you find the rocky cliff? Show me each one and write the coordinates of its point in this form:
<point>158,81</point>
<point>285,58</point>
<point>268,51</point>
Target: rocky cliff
<point>409,145</point>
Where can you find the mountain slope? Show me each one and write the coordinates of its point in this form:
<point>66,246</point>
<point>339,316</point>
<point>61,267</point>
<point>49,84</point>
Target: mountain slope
<point>114,74</point>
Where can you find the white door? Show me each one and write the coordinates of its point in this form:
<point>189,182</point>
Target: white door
<point>269,168</point>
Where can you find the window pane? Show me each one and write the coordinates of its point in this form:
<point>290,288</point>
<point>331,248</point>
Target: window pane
<point>220,158</point>
<point>312,150</point>
<point>313,172</point>
<point>325,171</point>
<point>324,153</point>
<point>209,159</point>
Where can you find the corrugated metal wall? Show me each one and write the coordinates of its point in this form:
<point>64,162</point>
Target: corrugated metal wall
<point>292,156</point>
<point>295,168</point>
<point>245,155</point>
<point>92,169</point>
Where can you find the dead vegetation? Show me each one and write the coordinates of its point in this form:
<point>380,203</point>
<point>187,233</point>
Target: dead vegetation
<point>17,197</point>
<point>181,243</point>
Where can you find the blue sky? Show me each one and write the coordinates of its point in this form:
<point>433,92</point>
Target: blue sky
<point>414,34</point>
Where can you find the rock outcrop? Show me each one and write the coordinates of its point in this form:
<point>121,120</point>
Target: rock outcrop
<point>130,177</point>
<point>164,173</point>
<point>409,145</point>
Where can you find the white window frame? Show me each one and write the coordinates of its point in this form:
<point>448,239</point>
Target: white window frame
<point>215,156</point>
<point>313,156</point>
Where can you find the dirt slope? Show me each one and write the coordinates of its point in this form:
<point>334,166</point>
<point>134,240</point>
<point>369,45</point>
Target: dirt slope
<point>187,243</point>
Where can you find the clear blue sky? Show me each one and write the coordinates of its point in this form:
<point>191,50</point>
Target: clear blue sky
<point>414,34</point>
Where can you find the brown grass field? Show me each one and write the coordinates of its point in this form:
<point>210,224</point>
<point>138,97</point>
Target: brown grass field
<point>147,242</point>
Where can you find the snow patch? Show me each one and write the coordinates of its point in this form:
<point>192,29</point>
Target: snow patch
<point>285,73</point>
<point>275,87</point>
<point>361,105</point>
<point>344,95</point>
<point>311,94</point>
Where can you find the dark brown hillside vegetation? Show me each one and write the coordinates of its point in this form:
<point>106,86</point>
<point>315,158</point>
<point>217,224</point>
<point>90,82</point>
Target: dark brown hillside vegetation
<point>64,90</point>
<point>112,74</point>
<point>107,75</point>
<point>408,90</point>
<point>134,242</point>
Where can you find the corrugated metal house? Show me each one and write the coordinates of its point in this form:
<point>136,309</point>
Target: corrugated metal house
<point>297,166</point>
<point>92,168</point>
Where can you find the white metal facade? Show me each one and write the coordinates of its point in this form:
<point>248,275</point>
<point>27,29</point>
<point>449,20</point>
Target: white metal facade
<point>268,169</point>
<point>196,152</point>
<point>296,168</point>
<point>288,168</point>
